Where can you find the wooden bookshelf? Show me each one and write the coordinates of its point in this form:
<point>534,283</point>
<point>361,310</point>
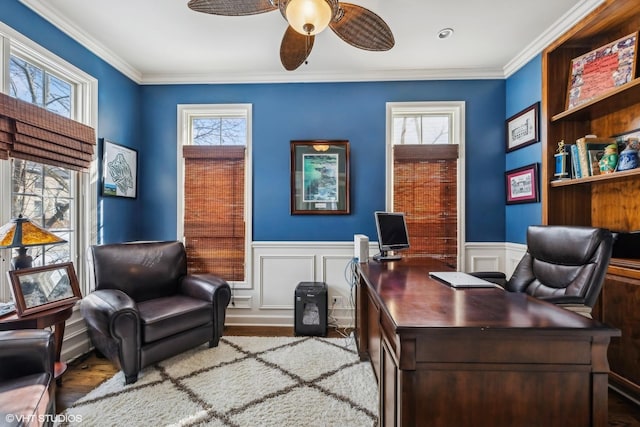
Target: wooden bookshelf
<point>611,200</point>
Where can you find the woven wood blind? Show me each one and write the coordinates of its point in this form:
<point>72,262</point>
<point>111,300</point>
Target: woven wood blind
<point>425,188</point>
<point>30,132</point>
<point>214,225</point>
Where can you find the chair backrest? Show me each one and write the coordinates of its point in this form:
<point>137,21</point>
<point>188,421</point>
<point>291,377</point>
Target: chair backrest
<point>142,270</point>
<point>563,264</point>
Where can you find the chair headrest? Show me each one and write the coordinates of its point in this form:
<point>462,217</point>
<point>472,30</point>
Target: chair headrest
<point>567,245</point>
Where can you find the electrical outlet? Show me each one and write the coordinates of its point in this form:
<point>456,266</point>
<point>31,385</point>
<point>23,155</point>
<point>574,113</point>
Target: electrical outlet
<point>336,301</point>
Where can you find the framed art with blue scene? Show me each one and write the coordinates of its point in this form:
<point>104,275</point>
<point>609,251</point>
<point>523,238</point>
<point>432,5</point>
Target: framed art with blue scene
<point>320,177</point>
<point>119,170</point>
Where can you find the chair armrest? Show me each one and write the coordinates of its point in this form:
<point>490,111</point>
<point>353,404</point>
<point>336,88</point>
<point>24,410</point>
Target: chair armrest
<point>208,287</point>
<point>26,352</point>
<point>105,309</point>
<point>497,277</point>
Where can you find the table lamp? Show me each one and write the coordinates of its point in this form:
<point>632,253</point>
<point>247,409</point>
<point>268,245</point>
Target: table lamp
<point>20,233</point>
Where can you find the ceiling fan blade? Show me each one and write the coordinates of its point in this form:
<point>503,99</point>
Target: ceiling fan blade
<point>362,28</point>
<point>231,7</point>
<point>295,48</point>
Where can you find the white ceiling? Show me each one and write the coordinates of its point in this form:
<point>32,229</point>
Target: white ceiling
<point>163,41</point>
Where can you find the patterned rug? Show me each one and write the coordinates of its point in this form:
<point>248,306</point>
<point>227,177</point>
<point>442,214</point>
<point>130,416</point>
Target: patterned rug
<point>245,381</point>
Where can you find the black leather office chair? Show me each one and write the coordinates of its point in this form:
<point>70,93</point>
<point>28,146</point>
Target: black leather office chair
<point>564,265</point>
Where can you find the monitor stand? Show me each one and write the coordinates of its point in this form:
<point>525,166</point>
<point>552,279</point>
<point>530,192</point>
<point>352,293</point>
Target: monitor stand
<point>387,256</point>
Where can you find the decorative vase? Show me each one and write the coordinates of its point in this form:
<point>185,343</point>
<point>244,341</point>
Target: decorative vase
<point>609,159</point>
<point>628,159</point>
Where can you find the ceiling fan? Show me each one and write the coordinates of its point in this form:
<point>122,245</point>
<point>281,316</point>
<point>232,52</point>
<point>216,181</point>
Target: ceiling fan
<point>354,24</point>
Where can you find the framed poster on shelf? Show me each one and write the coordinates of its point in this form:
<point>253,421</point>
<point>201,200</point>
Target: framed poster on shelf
<point>320,177</point>
<point>601,70</point>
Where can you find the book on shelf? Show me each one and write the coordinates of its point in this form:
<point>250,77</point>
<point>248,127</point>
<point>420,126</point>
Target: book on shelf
<point>575,162</point>
<point>587,144</point>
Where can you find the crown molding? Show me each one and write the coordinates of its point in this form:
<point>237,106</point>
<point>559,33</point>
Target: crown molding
<point>562,25</point>
<point>324,77</point>
<point>49,14</point>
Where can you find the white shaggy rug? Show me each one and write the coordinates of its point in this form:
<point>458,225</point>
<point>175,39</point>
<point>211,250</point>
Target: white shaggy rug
<point>245,381</point>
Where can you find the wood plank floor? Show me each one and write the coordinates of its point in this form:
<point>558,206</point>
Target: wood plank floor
<point>87,373</point>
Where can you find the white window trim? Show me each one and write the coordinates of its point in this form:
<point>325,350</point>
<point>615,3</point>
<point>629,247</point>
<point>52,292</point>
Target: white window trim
<point>86,95</point>
<point>455,109</point>
<point>186,112</point>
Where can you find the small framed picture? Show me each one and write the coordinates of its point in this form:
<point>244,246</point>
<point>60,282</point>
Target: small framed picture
<point>522,185</point>
<point>522,128</point>
<point>119,171</point>
<point>41,288</point>
<point>320,177</point>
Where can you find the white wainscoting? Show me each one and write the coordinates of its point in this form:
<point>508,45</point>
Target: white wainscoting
<point>502,257</point>
<point>277,267</point>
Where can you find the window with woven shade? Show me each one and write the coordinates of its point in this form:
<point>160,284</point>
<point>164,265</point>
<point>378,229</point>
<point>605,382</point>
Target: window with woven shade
<point>215,189</point>
<point>425,188</point>
<point>48,109</point>
<point>425,177</point>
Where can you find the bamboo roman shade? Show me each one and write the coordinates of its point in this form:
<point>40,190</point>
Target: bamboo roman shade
<point>30,132</point>
<point>214,227</point>
<point>425,188</point>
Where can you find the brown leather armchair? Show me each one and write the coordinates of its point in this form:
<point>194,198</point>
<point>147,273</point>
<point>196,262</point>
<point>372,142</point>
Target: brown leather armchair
<point>27,389</point>
<point>564,265</point>
<point>146,308</point>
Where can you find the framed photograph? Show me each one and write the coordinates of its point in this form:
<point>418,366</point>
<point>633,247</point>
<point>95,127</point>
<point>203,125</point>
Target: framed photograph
<point>522,128</point>
<point>41,288</point>
<point>119,171</point>
<point>601,70</point>
<point>320,177</point>
<point>522,185</point>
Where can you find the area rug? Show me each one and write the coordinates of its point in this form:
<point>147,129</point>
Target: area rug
<point>245,381</point>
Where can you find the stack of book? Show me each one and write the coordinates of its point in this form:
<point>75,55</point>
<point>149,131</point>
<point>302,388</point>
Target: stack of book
<point>584,156</point>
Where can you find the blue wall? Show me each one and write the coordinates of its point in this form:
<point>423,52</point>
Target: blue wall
<point>352,111</point>
<point>118,109</point>
<point>523,89</point>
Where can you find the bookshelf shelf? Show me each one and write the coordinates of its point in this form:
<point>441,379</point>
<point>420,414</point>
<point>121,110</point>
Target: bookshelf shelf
<point>619,98</point>
<point>596,178</point>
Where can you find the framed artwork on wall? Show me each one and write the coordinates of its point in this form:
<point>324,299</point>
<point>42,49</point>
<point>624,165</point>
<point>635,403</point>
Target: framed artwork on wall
<point>522,185</point>
<point>119,171</point>
<point>522,128</point>
<point>41,288</point>
<point>320,177</point>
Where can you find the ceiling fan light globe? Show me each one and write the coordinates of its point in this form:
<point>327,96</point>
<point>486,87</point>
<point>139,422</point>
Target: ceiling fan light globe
<point>308,17</point>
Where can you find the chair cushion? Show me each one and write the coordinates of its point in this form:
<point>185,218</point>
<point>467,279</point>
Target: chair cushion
<point>163,317</point>
<point>26,397</point>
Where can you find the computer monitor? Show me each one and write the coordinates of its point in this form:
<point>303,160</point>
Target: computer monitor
<point>392,235</point>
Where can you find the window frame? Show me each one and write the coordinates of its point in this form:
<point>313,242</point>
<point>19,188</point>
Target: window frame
<point>84,108</point>
<point>456,110</point>
<point>187,112</point>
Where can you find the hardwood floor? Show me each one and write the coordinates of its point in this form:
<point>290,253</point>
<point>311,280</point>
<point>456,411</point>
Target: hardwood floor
<point>85,374</point>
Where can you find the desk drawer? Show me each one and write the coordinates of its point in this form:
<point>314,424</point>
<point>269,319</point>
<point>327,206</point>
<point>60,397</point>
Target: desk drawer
<point>532,349</point>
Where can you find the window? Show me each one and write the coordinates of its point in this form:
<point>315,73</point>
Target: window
<point>424,176</point>
<point>52,197</point>
<point>214,151</point>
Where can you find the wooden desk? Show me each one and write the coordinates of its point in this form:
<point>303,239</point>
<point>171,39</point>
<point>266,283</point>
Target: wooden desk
<point>55,317</point>
<point>476,357</point>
